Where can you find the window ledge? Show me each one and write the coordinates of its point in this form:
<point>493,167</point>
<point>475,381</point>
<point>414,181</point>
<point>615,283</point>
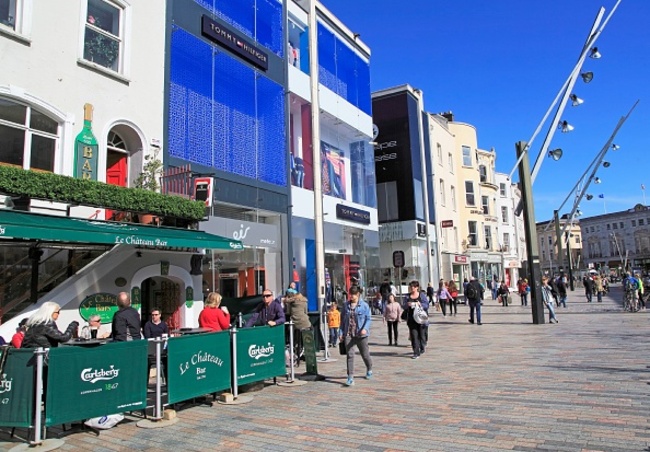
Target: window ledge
<point>104,71</point>
<point>9,33</point>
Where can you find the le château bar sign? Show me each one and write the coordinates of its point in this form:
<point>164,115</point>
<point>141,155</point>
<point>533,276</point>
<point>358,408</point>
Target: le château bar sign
<point>234,42</point>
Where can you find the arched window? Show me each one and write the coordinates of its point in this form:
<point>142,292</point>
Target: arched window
<point>28,138</point>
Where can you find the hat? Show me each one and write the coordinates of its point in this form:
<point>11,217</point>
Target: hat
<point>291,291</point>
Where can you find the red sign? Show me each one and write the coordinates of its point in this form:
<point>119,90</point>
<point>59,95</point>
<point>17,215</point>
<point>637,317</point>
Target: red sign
<point>203,190</point>
<point>460,259</point>
<point>447,223</point>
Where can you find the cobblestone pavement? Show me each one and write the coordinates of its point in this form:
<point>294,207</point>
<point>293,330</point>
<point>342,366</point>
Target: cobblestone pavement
<point>579,385</point>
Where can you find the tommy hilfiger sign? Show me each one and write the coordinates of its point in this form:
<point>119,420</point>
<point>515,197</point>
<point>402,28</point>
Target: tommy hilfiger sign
<point>234,42</point>
<point>352,214</point>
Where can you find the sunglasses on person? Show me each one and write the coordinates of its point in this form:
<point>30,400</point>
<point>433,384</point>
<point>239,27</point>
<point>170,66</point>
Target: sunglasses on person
<point>267,295</point>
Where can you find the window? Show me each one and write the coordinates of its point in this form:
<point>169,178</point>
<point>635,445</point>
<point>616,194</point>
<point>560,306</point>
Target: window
<point>621,225</point>
<point>614,225</point>
<point>103,36</point>
<point>502,190</point>
<point>469,193</point>
<point>577,239</point>
<point>485,203</point>
<point>550,240</point>
<point>483,173</point>
<point>28,138</point>
<point>467,156</point>
<point>488,237</point>
<point>608,227</point>
<point>442,192</point>
<point>8,13</point>
<point>506,242</point>
<point>504,215</point>
<point>551,254</point>
<point>640,222</point>
<point>453,197</point>
<point>634,223</point>
<point>450,161</point>
<point>472,238</point>
<point>439,148</point>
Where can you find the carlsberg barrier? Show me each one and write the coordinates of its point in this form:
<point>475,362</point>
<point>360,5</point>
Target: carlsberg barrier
<point>86,382</point>
<point>260,354</point>
<point>198,364</point>
<point>17,388</point>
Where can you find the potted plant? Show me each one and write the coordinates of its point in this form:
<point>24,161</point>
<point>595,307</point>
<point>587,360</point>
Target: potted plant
<point>148,180</point>
<point>100,48</point>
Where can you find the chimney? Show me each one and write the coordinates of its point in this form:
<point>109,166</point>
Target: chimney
<point>449,116</point>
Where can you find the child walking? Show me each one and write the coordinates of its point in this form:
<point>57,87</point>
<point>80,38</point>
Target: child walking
<point>333,323</point>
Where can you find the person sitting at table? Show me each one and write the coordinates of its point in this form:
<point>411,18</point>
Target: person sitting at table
<point>126,321</point>
<point>42,330</point>
<point>213,316</point>
<point>155,327</point>
<point>19,335</point>
<point>94,324</point>
<point>268,312</point>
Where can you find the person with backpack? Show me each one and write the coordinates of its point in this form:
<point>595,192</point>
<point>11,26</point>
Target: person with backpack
<point>474,294</point>
<point>631,286</point>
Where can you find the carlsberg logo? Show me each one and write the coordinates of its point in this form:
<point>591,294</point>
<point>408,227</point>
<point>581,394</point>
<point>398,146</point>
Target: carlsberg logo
<point>93,375</point>
<point>259,351</point>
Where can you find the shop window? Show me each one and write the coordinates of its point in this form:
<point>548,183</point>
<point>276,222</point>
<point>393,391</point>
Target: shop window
<point>103,34</point>
<point>28,138</point>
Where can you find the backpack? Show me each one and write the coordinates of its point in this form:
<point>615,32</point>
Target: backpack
<point>470,292</point>
<point>632,284</point>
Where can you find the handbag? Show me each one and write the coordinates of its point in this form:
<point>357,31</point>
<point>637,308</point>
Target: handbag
<point>342,349</point>
<point>420,315</point>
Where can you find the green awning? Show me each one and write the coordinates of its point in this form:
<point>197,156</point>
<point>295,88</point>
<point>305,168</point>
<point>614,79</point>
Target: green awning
<point>46,228</point>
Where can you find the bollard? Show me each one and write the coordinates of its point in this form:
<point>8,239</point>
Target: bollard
<point>40,351</point>
<point>240,320</point>
<point>292,374</point>
<point>158,408</point>
<point>233,333</point>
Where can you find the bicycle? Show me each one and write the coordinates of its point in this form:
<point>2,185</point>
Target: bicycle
<point>630,302</point>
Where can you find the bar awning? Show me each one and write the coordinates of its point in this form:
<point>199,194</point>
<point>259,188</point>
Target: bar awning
<point>47,228</point>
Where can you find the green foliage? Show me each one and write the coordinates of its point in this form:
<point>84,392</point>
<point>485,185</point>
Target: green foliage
<point>148,178</point>
<point>55,187</point>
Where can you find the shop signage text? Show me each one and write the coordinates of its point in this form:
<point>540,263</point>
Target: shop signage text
<point>352,214</point>
<point>234,42</point>
<point>447,224</point>
<point>460,259</point>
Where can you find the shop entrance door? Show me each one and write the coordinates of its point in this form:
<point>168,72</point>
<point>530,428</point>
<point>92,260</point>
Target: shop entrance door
<point>116,174</point>
<point>228,283</point>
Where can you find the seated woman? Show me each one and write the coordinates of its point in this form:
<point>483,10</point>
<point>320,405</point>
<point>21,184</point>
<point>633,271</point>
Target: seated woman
<point>212,316</point>
<point>42,330</point>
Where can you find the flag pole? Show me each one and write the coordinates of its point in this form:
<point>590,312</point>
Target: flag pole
<point>643,191</point>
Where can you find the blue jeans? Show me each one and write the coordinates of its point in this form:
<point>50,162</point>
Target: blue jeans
<point>551,311</point>
<point>524,299</point>
<point>562,301</point>
<point>475,305</point>
<point>599,296</point>
<point>589,295</point>
<point>334,335</point>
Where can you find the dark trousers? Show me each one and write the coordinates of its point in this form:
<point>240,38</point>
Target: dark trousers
<point>416,333</point>
<point>392,331</point>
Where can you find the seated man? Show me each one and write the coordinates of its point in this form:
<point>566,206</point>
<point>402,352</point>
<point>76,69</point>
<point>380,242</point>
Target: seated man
<point>94,325</point>
<point>268,312</point>
<point>152,329</point>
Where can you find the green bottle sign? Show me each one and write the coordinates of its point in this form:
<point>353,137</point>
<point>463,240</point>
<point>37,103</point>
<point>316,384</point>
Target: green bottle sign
<point>86,148</point>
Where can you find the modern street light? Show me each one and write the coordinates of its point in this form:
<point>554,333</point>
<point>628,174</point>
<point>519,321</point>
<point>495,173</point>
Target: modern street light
<point>575,100</point>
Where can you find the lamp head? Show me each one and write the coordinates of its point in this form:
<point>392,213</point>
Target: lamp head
<point>597,180</point>
<point>555,154</point>
<point>565,127</point>
<point>606,164</point>
<point>587,76</point>
<point>590,197</point>
<point>594,53</point>
<point>615,146</point>
<point>575,100</point>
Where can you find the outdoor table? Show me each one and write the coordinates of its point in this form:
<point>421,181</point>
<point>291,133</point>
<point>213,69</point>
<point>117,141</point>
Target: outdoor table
<point>86,342</point>
<point>183,331</point>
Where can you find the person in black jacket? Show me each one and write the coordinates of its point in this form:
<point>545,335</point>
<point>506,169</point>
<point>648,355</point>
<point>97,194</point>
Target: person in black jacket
<point>126,321</point>
<point>474,294</point>
<point>42,330</point>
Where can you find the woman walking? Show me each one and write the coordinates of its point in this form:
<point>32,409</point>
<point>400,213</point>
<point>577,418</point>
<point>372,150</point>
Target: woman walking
<point>443,297</point>
<point>504,294</point>
<point>355,329</point>
<point>453,291</point>
<point>549,299</point>
<point>392,313</point>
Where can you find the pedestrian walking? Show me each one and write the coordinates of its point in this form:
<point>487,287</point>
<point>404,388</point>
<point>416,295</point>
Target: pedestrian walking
<point>333,323</point>
<point>524,290</point>
<point>453,291</point>
<point>417,331</point>
<point>355,329</point>
<point>474,296</point>
<point>504,294</point>
<point>549,299</point>
<point>444,297</point>
<point>561,290</point>
<point>392,314</point>
<point>588,283</point>
<point>598,283</point>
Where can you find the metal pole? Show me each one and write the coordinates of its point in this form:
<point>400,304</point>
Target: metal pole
<point>158,414</point>
<point>568,256</point>
<point>292,374</point>
<point>532,246</point>
<point>233,333</point>
<point>40,351</point>
<point>558,237</point>
<point>319,240</point>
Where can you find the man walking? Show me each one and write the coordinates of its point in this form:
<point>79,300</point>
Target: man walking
<point>474,294</point>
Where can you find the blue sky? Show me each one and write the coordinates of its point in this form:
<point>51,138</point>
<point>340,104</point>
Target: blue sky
<point>498,65</point>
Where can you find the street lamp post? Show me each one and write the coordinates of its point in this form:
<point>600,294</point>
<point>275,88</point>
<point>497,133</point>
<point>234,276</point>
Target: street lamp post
<point>532,246</point>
